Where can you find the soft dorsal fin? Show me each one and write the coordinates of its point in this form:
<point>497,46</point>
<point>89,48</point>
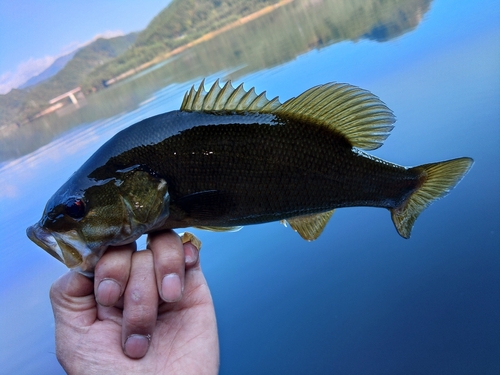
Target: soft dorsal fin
<point>227,98</point>
<point>355,113</point>
<point>310,226</point>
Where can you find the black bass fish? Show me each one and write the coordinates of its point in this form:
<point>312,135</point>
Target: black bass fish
<point>230,158</point>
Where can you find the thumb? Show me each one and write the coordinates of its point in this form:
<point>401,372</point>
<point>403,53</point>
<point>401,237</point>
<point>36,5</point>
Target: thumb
<point>73,302</point>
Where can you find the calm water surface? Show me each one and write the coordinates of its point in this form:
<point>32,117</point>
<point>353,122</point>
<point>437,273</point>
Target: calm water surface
<point>360,299</point>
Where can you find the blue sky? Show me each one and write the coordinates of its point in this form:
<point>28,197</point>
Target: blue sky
<point>35,32</point>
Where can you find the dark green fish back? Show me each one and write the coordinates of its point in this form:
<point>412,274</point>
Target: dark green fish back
<point>236,169</point>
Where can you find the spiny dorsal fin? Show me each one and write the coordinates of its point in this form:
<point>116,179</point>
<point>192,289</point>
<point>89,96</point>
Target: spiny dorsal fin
<point>355,113</point>
<point>310,226</point>
<point>227,98</point>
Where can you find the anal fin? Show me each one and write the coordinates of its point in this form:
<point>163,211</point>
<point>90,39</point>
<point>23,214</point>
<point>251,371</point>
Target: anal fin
<point>310,226</point>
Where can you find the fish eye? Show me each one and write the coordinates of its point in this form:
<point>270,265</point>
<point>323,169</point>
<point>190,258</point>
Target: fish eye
<point>75,208</point>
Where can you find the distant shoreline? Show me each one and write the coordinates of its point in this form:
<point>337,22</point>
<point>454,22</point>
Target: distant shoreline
<point>195,42</point>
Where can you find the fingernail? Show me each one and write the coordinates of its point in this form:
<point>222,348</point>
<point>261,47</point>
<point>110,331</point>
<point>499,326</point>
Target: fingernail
<point>171,288</point>
<point>136,346</point>
<point>190,254</point>
<point>108,292</point>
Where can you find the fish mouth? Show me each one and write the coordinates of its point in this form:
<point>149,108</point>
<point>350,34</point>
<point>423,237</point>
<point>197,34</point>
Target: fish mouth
<point>67,247</point>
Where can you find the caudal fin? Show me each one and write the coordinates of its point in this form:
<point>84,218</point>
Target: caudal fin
<point>439,179</point>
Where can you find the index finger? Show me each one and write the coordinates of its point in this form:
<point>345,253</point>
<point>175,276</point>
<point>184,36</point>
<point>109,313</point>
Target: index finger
<point>112,273</point>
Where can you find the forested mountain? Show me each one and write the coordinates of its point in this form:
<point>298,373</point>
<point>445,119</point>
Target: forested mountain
<point>180,23</point>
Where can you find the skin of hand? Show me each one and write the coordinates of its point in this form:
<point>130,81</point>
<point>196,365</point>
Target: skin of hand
<point>146,312</point>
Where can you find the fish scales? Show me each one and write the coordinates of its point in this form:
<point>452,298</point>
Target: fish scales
<point>230,158</point>
<point>269,170</point>
<point>263,168</point>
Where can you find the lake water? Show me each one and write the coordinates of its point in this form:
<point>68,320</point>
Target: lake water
<point>360,299</point>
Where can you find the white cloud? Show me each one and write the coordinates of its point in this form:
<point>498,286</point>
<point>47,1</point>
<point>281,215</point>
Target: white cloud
<point>32,67</point>
<point>23,72</point>
<point>108,34</point>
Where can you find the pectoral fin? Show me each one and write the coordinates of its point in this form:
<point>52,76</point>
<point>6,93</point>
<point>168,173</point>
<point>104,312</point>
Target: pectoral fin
<point>310,226</point>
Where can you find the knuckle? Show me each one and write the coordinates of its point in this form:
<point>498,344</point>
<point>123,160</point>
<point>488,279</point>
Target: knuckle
<point>139,317</point>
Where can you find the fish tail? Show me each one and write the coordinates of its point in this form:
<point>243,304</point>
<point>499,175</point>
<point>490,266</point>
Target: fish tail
<point>437,180</point>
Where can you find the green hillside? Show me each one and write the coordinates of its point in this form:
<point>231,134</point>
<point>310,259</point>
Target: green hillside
<point>180,23</point>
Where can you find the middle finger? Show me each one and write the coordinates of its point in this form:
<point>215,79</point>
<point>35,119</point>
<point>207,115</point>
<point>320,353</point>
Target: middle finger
<point>140,305</point>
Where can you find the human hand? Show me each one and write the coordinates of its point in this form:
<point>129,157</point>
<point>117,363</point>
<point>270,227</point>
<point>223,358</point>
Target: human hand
<point>132,330</point>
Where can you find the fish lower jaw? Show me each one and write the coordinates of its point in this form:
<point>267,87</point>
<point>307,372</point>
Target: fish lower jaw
<point>67,247</point>
<point>46,241</point>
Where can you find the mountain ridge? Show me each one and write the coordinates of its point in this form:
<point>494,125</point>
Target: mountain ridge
<point>52,70</point>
